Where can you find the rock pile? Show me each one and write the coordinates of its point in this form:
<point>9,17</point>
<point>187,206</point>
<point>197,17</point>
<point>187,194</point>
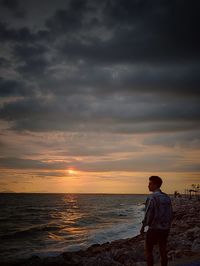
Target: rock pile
<point>184,240</point>
<point>184,237</point>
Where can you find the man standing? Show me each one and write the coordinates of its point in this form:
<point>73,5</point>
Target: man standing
<point>158,217</point>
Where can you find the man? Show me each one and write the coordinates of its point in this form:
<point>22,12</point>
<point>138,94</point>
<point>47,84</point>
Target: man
<point>158,217</point>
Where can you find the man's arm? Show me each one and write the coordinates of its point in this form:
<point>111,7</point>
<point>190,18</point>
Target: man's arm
<point>149,215</point>
<point>142,230</point>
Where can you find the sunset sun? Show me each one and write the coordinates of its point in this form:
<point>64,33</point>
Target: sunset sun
<point>71,171</point>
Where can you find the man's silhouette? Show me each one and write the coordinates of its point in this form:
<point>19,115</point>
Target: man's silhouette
<point>158,217</point>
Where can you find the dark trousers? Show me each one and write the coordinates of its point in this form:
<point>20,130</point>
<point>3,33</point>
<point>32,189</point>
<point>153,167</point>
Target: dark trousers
<point>154,237</point>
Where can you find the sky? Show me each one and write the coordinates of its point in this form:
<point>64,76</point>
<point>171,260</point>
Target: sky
<point>96,96</point>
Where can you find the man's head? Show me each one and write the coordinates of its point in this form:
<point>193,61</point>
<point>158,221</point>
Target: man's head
<point>155,182</point>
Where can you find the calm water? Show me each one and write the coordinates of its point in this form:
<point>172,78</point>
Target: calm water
<point>48,224</point>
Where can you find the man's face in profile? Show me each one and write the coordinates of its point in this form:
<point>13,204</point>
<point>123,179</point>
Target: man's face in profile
<point>152,186</point>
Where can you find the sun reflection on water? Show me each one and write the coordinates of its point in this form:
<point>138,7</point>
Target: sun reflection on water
<point>71,213</point>
<point>71,219</point>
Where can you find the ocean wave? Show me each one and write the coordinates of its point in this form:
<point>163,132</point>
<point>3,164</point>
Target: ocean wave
<point>40,209</point>
<point>120,231</point>
<point>32,230</point>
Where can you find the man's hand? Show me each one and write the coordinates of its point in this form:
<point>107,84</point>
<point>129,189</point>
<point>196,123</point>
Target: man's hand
<point>142,231</point>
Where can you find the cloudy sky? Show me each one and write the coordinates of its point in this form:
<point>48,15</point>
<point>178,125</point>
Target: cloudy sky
<point>95,96</point>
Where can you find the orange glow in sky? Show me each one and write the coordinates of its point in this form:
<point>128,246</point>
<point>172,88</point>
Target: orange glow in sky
<point>118,165</point>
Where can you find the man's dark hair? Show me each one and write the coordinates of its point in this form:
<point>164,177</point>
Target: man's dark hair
<point>156,180</point>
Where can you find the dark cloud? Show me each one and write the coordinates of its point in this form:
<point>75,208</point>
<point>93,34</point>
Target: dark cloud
<point>68,20</point>
<point>19,163</point>
<point>140,31</point>
<point>10,4</point>
<point>156,44</point>
<point>76,113</point>
<point>179,80</point>
<point>144,32</point>
<point>21,35</point>
<point>14,7</point>
<point>140,164</point>
<point>170,27</point>
<point>179,139</point>
<point>147,84</point>
<point>32,59</point>
<point>11,88</point>
<point>26,52</point>
<point>97,149</point>
<point>119,66</point>
<point>4,62</point>
<point>48,174</point>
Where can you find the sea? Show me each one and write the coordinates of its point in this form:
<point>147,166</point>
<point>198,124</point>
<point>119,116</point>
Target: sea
<point>49,224</point>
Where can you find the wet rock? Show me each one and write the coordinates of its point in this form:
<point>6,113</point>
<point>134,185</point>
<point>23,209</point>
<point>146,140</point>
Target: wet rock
<point>101,260</point>
<point>196,245</point>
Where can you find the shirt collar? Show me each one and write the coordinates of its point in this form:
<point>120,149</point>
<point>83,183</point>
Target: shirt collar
<point>157,190</point>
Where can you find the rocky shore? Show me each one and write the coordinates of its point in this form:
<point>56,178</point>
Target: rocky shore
<point>184,242</point>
